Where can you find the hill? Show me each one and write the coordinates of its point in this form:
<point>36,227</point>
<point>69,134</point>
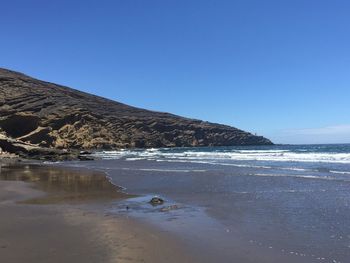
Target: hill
<point>51,116</point>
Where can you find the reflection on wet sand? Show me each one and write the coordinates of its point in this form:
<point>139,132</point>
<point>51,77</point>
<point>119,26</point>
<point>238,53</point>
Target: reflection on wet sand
<point>62,185</point>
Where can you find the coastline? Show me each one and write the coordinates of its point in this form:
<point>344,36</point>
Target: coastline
<point>239,210</point>
<point>75,231</point>
<point>216,209</point>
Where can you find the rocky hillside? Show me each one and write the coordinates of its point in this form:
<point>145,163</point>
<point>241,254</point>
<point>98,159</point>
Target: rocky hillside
<point>47,115</point>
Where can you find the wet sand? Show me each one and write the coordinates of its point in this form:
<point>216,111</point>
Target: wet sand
<point>53,213</point>
<point>240,214</point>
<point>57,215</point>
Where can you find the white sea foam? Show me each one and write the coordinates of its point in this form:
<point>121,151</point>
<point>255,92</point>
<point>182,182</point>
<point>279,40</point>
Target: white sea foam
<point>262,151</point>
<point>294,169</point>
<point>242,155</point>
<point>339,172</point>
<point>165,170</point>
<point>299,176</point>
<point>134,158</point>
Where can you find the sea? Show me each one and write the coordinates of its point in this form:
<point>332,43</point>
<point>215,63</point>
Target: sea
<point>280,203</point>
<point>328,159</point>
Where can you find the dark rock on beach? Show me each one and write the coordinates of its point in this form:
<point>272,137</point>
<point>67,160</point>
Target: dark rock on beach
<point>156,201</point>
<point>38,116</point>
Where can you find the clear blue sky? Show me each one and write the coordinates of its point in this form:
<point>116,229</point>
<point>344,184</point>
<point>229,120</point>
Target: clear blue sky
<point>278,68</point>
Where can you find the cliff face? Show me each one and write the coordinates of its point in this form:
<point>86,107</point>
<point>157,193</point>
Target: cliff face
<point>51,116</point>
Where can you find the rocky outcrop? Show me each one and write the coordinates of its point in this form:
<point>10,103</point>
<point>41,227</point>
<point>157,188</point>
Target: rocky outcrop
<point>47,115</point>
<point>9,147</point>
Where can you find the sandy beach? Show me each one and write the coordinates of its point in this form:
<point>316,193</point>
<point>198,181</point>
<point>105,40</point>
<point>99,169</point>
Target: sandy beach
<point>214,210</point>
<point>229,210</point>
<point>51,226</point>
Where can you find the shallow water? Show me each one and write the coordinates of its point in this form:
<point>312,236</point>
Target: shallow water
<point>265,204</point>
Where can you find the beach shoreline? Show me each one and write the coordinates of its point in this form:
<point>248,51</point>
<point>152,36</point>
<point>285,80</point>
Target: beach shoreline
<point>215,210</point>
<point>248,211</point>
<point>75,232</point>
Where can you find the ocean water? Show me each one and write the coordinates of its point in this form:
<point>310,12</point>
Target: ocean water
<point>328,159</point>
<point>283,203</point>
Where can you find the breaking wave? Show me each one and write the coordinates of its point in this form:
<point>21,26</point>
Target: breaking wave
<point>225,155</point>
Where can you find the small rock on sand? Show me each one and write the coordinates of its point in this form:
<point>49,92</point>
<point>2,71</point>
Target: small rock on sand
<point>156,201</point>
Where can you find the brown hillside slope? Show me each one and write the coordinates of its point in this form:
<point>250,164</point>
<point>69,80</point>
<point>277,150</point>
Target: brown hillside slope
<point>53,116</point>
